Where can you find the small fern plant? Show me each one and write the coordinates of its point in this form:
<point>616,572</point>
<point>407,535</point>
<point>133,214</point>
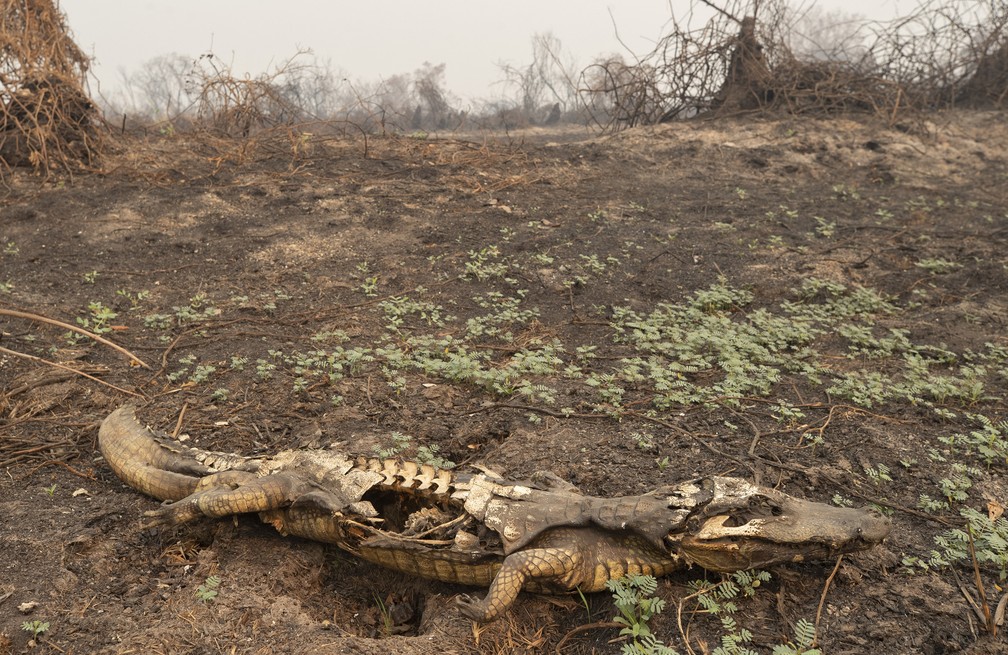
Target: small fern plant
<point>207,592</point>
<point>805,633</point>
<point>632,595</point>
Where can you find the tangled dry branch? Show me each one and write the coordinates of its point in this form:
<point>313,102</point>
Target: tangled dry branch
<point>234,106</point>
<point>47,120</point>
<point>946,53</point>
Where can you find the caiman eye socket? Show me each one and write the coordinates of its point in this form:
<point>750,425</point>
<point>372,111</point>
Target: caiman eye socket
<point>733,521</point>
<point>763,506</point>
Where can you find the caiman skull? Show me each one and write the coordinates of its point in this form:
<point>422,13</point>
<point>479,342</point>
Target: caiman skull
<point>744,526</point>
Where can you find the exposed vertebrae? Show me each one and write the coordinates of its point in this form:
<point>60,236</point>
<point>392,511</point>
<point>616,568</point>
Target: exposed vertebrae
<point>409,475</point>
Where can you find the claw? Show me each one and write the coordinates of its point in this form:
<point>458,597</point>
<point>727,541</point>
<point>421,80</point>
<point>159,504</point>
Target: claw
<point>469,607</point>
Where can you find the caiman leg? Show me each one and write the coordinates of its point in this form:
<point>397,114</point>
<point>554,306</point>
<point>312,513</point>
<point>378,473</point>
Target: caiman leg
<point>566,559</point>
<point>228,493</point>
<point>553,563</point>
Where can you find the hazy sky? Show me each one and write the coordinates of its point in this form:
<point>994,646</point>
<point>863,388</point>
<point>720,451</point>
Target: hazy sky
<point>375,40</point>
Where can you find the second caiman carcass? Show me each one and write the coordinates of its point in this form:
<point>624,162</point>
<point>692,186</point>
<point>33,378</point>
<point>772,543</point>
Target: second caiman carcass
<point>478,529</point>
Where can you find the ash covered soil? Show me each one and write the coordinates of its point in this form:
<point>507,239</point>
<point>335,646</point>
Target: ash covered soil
<point>819,305</point>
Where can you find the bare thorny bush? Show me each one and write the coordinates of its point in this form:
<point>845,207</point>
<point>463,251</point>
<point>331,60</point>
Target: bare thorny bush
<point>46,118</point>
<point>238,107</point>
<point>544,90</point>
<point>746,55</point>
<point>949,52</point>
<point>308,93</point>
<point>174,92</point>
<point>752,55</point>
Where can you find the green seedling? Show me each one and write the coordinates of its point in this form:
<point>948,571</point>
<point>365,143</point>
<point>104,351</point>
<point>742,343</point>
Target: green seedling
<point>36,628</point>
<point>207,592</point>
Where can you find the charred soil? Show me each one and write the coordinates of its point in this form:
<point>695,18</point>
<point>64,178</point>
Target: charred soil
<point>819,305</point>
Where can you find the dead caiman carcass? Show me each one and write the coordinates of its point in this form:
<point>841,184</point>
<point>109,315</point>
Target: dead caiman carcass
<point>478,529</point>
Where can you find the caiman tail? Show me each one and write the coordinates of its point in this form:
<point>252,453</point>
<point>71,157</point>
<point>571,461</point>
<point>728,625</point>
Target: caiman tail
<point>145,462</point>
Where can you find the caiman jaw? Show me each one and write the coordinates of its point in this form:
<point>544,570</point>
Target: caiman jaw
<point>768,527</point>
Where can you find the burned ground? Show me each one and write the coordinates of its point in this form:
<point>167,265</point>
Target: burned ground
<point>819,305</point>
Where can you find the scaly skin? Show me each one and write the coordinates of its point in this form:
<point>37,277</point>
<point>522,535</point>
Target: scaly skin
<point>477,529</point>
<point>568,559</point>
<point>145,464</point>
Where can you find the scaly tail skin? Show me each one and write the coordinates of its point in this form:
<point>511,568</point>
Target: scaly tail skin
<point>143,462</point>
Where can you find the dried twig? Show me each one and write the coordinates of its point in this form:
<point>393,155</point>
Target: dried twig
<point>584,628</point>
<point>178,423</point>
<point>822,598</point>
<point>683,632</point>
<point>67,368</point>
<point>971,602</point>
<point>74,328</point>
<point>987,618</point>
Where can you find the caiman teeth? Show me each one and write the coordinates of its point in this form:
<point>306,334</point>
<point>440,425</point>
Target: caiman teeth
<point>715,528</point>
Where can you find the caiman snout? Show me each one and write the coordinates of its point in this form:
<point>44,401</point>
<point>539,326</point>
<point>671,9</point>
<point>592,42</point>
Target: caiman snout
<point>875,527</point>
<point>749,527</point>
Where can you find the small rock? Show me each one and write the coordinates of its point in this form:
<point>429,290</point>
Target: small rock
<point>27,608</point>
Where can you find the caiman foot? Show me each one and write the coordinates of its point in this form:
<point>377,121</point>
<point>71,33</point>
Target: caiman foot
<point>473,608</point>
<point>540,563</point>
